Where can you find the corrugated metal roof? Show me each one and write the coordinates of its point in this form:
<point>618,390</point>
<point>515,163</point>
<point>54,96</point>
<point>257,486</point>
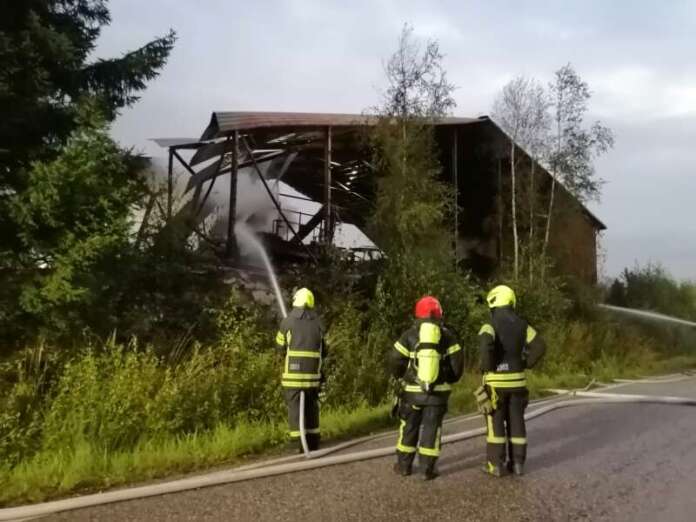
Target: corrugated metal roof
<point>175,142</point>
<point>223,122</point>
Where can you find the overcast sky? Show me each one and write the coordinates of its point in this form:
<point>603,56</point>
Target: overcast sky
<point>326,56</point>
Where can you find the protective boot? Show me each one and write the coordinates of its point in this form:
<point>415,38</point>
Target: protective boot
<point>313,440</point>
<point>403,470</point>
<point>518,469</point>
<point>496,471</point>
<point>430,472</point>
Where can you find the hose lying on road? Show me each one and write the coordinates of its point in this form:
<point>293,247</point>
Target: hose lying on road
<point>629,397</point>
<point>379,436</point>
<point>230,476</point>
<point>677,377</point>
<point>684,377</point>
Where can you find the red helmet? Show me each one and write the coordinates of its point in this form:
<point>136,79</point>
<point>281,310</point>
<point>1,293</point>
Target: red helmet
<point>428,307</point>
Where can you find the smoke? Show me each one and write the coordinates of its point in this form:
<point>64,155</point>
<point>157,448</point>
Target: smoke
<point>253,208</point>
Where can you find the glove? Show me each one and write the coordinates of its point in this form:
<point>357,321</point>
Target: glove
<point>483,400</point>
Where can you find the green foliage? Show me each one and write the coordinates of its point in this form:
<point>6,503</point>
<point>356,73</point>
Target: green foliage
<point>66,190</point>
<point>541,305</point>
<point>50,474</point>
<point>114,396</point>
<point>81,267</point>
<point>652,288</point>
<point>412,204</point>
<point>350,363</point>
<point>102,397</point>
<point>45,48</point>
<point>573,145</point>
<point>116,413</point>
<point>73,223</point>
<point>202,384</point>
<point>404,280</point>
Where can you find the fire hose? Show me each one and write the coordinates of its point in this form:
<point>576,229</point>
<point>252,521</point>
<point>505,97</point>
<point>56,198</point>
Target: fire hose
<point>270,470</point>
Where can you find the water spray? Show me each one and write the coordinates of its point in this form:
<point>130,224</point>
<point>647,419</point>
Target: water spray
<point>242,230</point>
<point>246,233</point>
<point>645,314</point>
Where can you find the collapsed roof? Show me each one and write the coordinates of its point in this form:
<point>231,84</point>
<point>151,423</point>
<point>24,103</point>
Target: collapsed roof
<point>324,157</point>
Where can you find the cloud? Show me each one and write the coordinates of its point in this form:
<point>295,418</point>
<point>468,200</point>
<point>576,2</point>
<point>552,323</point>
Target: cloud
<point>637,92</point>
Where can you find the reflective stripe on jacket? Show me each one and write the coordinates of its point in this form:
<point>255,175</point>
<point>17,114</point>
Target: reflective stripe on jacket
<point>301,335</point>
<point>402,362</point>
<point>508,346</point>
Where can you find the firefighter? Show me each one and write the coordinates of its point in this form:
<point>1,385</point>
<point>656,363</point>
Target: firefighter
<point>428,359</point>
<point>301,337</point>
<point>508,346</point>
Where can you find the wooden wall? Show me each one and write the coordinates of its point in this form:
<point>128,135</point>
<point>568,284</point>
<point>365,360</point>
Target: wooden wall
<point>484,225</point>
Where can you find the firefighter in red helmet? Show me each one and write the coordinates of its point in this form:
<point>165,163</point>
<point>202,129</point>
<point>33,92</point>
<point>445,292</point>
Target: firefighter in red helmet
<point>427,359</point>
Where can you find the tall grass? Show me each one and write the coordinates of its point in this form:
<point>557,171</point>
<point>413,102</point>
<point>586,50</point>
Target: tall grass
<point>116,413</point>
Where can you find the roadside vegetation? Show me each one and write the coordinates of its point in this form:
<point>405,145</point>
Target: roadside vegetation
<point>121,362</point>
<point>651,287</point>
<point>115,413</point>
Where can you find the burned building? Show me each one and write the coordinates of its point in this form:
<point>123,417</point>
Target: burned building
<point>315,171</point>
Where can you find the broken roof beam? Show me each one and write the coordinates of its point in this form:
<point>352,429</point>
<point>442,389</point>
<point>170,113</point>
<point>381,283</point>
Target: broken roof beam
<point>212,170</point>
<point>307,228</point>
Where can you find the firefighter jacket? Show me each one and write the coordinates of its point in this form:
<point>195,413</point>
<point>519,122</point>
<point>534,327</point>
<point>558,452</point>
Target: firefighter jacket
<point>404,360</point>
<point>301,335</point>
<point>508,345</point>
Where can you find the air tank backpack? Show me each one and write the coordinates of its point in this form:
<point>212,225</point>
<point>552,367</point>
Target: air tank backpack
<point>427,357</point>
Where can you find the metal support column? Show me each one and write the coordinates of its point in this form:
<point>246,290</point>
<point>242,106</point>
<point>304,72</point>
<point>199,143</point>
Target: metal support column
<point>328,210</point>
<point>232,214</point>
<point>170,184</point>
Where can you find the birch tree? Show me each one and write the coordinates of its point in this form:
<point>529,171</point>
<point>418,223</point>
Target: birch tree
<point>521,110</point>
<point>574,145</point>
<point>412,203</point>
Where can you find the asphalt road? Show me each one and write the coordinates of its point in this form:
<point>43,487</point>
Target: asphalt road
<point>614,462</point>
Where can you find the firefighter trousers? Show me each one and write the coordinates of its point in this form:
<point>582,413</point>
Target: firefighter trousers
<point>420,430</point>
<point>311,415</point>
<point>506,433</point>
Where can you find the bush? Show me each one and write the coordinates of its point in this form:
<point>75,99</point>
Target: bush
<point>103,398</point>
<point>25,382</point>
<point>653,288</point>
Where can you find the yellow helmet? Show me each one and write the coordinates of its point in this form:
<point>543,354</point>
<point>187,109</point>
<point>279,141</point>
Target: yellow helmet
<point>501,296</point>
<point>303,298</point>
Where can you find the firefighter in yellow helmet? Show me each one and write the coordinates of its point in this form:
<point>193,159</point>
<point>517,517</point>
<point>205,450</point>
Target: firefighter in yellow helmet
<point>301,337</point>
<point>428,359</point>
<point>508,346</point>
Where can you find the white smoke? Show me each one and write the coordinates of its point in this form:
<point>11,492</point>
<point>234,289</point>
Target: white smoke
<point>254,207</point>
